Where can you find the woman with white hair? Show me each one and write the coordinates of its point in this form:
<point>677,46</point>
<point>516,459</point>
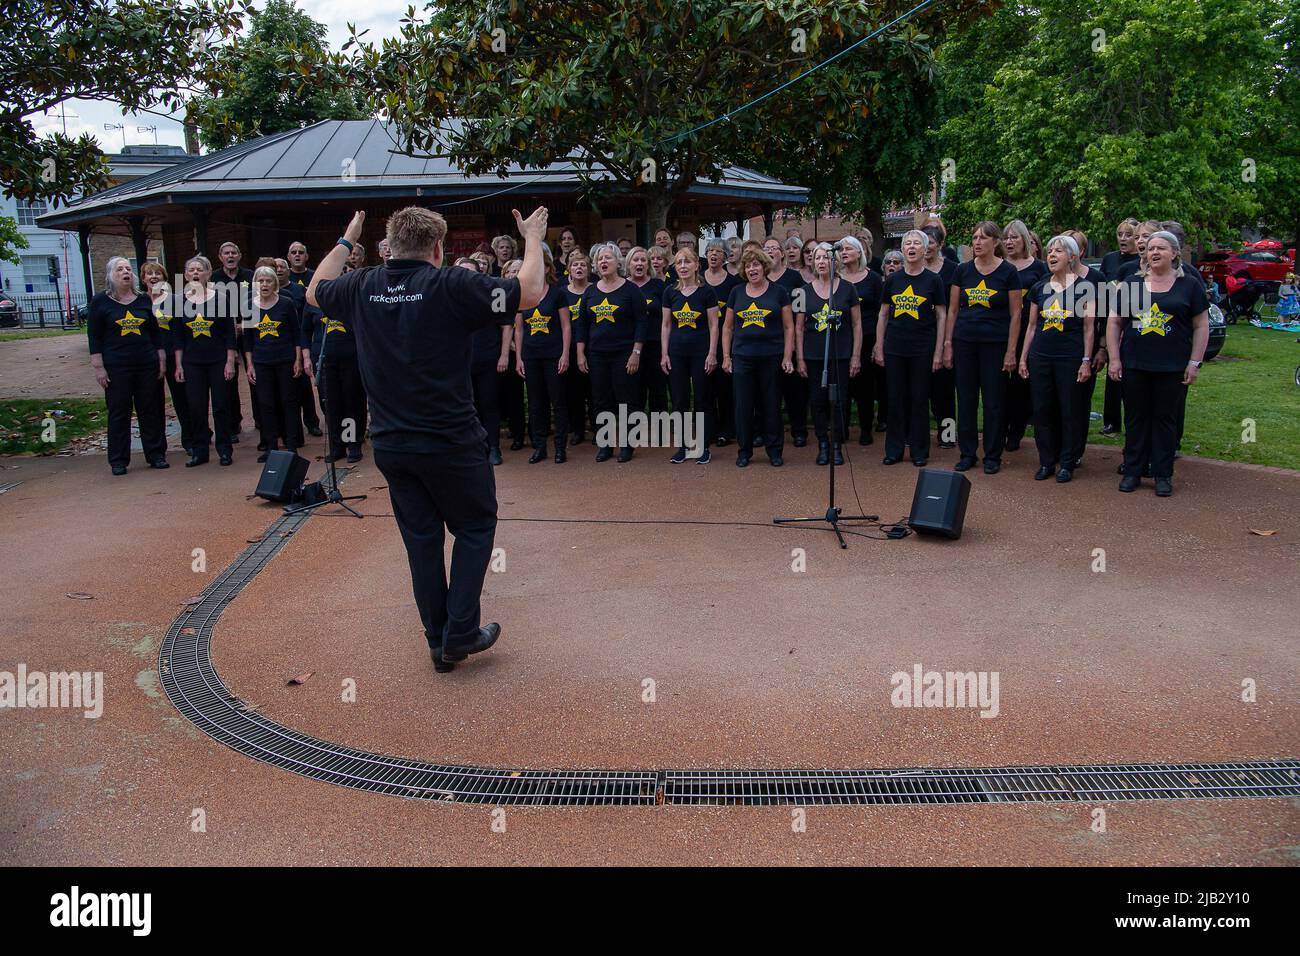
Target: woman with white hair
<point>204,339</point>
<point>868,387</point>
<point>909,345</point>
<point>1057,358</point>
<point>1157,335</point>
<point>126,352</point>
<point>611,336</point>
<point>273,362</point>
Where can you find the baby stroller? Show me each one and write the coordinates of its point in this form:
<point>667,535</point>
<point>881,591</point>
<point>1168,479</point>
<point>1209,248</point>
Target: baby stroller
<point>1243,295</point>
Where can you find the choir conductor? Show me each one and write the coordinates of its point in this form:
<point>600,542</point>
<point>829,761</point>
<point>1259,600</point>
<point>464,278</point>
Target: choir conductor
<point>413,322</point>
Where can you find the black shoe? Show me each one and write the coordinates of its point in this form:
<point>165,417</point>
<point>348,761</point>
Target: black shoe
<point>261,446</point>
<point>1130,483</point>
<point>705,458</point>
<point>1164,487</point>
<point>950,444</point>
<point>354,454</point>
<point>742,460</point>
<point>823,452</point>
<point>517,444</point>
<point>226,459</point>
<point>678,458</point>
<point>560,456</point>
<point>1064,475</point>
<point>920,462</point>
<point>440,665</point>
<point>625,456</point>
<point>800,440</point>
<point>723,441</point>
<point>119,469</point>
<point>159,463</point>
<point>604,454</point>
<point>494,455</point>
<point>537,455</point>
<point>1043,473</point>
<point>776,460</point>
<point>889,460</point>
<point>839,453</point>
<point>263,456</point>
<point>1013,444</point>
<point>487,636</point>
<point>1109,430</point>
<point>992,467</point>
<point>963,464</point>
<point>314,431</point>
<point>196,460</point>
<point>234,439</point>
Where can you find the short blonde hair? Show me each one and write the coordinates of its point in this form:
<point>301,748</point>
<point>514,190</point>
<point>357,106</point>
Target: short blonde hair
<point>413,232</point>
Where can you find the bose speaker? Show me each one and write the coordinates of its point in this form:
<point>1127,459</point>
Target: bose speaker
<point>939,505</point>
<point>282,476</point>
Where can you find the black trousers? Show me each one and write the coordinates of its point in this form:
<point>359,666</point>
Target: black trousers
<point>546,393</point>
<point>653,394</point>
<point>794,395</point>
<point>180,402</point>
<point>910,389</point>
<point>487,400</point>
<point>577,396</point>
<point>511,401</point>
<point>724,400</point>
<point>277,392</point>
<point>433,493</point>
<point>344,398</point>
<point>978,368</point>
<point>1056,394</point>
<point>233,403</point>
<point>865,389</point>
<point>611,386</point>
<point>134,389</point>
<point>687,376</point>
<point>1151,407</point>
<point>1112,409</point>
<point>1083,392</point>
<point>756,382</point>
<point>821,399</point>
<point>205,382</point>
<point>1019,406</point>
<point>943,397</point>
<point>307,402</point>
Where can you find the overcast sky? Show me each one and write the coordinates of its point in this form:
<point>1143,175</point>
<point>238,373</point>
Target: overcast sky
<point>380,17</point>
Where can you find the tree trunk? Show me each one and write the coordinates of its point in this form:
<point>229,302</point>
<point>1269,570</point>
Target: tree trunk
<point>657,206</point>
<point>191,139</point>
<point>873,217</point>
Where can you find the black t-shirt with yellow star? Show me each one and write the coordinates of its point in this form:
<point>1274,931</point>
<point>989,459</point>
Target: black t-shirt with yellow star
<point>543,337</point>
<point>613,321</point>
<point>1158,325</point>
<point>316,326</point>
<point>573,302</point>
<point>823,315</point>
<point>983,302</point>
<point>301,279</point>
<point>912,324</point>
<point>1059,330</point>
<point>758,331</point>
<point>202,332</point>
<point>869,289</point>
<point>273,340</point>
<point>127,335</point>
<point>688,323</point>
<point>654,303</point>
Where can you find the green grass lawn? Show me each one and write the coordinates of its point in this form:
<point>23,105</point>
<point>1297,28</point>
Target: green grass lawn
<point>22,428</point>
<point>13,335</point>
<point>1252,378</point>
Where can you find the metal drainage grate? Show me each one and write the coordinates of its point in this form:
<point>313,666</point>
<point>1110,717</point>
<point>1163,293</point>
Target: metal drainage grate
<point>193,685</point>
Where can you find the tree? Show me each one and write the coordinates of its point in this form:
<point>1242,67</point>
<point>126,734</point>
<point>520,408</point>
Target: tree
<point>137,53</point>
<point>279,77</point>
<point>11,240</point>
<point>1272,126</point>
<point>1110,108</point>
<point>646,89</point>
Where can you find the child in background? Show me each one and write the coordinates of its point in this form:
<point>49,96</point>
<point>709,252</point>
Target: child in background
<point>1288,301</point>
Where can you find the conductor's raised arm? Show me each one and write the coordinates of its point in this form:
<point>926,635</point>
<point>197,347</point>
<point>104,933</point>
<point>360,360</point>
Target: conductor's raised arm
<point>331,267</point>
<point>532,274</point>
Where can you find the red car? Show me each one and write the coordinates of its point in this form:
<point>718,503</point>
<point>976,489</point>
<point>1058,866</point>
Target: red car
<point>1264,260</point>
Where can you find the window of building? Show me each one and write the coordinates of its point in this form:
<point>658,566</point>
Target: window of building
<point>30,210</point>
<point>36,274</point>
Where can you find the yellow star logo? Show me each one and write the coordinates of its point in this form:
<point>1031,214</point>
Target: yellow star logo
<point>981,295</point>
<point>1155,320</point>
<point>164,320</point>
<point>201,327</point>
<point>268,326</point>
<point>574,310</point>
<point>300,282</point>
<point>538,324</point>
<point>753,316</point>
<point>603,311</point>
<point>908,302</point>
<point>333,325</point>
<point>1054,317</point>
<point>686,316</point>
<point>130,324</point>
<point>825,316</point>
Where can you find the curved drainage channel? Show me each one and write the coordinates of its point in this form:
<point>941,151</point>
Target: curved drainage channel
<point>192,683</point>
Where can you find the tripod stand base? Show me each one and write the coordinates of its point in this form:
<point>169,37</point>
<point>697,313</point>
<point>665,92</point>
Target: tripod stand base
<point>334,498</point>
<point>833,518</point>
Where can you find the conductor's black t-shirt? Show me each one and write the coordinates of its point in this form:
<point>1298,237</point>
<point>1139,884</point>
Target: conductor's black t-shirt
<point>413,324</point>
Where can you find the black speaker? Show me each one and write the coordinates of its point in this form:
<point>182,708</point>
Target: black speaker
<point>282,476</point>
<point>939,505</point>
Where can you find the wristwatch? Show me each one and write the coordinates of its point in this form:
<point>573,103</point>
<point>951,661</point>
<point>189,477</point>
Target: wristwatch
<point>344,243</point>
<point>636,351</point>
<point>1194,362</point>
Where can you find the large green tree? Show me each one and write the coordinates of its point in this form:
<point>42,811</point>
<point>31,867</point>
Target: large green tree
<point>277,77</point>
<point>139,54</point>
<point>1077,113</point>
<point>646,89</point>
<point>1272,125</point>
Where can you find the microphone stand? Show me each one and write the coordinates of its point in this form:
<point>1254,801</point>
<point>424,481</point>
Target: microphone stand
<point>830,380</point>
<point>332,496</point>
